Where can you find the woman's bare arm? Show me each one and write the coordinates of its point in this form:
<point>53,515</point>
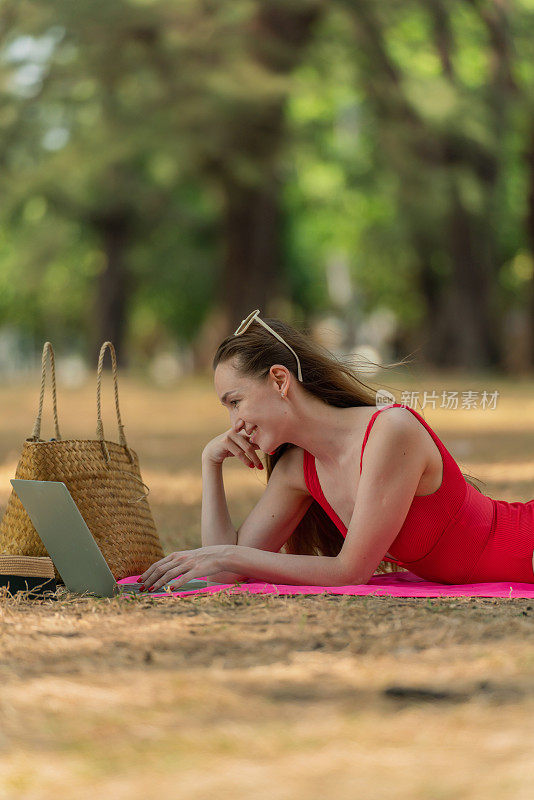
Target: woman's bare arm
<point>392,466</point>
<point>272,520</point>
<point>216,526</point>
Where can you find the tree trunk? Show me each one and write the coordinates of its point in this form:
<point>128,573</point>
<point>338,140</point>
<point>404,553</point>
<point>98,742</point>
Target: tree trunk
<point>113,288</point>
<point>529,157</point>
<point>472,331</point>
<point>252,272</point>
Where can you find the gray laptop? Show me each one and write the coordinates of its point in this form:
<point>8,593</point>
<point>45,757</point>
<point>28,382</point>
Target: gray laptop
<point>70,543</point>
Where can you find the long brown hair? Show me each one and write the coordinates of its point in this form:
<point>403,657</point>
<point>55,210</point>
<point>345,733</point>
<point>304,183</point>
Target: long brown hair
<point>333,380</point>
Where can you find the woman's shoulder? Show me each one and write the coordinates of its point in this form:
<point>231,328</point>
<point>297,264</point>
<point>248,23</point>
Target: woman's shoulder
<point>403,425</point>
<point>397,418</point>
<point>392,425</point>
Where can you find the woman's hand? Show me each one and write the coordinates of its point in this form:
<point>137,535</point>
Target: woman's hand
<point>186,564</point>
<point>232,443</point>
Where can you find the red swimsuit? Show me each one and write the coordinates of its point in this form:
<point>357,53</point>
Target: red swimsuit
<point>456,534</point>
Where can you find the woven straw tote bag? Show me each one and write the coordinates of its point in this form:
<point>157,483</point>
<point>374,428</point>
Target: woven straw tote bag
<point>104,480</point>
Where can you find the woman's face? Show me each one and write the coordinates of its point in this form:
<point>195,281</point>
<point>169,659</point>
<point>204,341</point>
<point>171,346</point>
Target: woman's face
<point>255,406</point>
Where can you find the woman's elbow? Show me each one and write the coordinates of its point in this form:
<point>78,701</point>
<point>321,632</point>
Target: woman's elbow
<point>352,576</point>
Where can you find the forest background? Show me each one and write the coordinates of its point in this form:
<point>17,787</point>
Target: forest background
<point>167,166</point>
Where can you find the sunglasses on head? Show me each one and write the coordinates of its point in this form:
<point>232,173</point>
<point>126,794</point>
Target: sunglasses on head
<point>253,317</point>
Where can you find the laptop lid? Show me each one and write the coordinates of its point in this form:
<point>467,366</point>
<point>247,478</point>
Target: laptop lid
<point>65,535</point>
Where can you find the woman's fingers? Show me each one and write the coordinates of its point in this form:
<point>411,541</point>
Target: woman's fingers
<point>249,449</point>
<point>168,576</point>
<point>240,450</point>
<point>150,570</point>
<point>236,451</point>
<point>187,576</point>
<point>156,569</point>
<point>154,566</point>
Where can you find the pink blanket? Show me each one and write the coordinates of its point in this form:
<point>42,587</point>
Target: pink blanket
<point>402,584</point>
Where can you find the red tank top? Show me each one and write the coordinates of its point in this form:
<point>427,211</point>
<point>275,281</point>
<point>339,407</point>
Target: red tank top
<point>456,534</point>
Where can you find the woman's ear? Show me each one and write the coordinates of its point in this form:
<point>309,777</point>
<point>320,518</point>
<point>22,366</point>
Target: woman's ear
<point>281,377</point>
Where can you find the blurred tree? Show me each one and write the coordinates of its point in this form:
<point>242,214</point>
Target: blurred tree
<point>443,125</point>
<point>248,168</point>
<point>522,266</point>
<point>408,134</point>
<point>134,101</point>
<point>99,137</point>
<point>163,160</point>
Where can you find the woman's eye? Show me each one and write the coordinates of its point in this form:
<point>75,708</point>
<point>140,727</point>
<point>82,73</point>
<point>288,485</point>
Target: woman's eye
<point>234,401</point>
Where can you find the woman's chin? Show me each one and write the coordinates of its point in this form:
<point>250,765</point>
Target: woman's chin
<point>263,447</point>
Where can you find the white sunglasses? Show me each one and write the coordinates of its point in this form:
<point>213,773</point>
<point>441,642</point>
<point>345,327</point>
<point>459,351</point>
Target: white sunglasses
<point>253,317</point>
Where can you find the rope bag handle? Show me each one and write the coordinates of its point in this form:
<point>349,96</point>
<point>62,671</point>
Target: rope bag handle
<point>99,425</point>
<point>36,434</point>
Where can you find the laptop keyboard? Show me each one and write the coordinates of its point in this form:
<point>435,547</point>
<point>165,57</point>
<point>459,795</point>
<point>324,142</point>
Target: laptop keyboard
<point>194,583</point>
<point>135,588</point>
<point>130,588</point>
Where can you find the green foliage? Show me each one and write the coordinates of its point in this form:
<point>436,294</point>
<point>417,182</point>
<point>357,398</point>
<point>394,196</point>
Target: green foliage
<point>131,111</point>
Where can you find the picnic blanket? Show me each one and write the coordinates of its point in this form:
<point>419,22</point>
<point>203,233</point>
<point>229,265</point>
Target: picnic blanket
<point>400,584</point>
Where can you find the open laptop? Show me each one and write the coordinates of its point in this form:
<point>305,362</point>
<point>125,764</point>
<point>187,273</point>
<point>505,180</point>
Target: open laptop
<point>70,543</point>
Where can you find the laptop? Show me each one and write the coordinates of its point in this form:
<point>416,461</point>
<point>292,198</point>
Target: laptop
<point>70,543</point>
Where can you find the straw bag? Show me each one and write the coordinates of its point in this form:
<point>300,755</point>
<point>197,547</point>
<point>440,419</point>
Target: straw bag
<point>104,480</point>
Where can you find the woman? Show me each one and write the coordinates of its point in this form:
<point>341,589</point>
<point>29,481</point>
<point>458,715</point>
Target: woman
<point>408,504</point>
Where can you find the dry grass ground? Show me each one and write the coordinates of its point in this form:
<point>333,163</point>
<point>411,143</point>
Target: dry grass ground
<point>276,697</point>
